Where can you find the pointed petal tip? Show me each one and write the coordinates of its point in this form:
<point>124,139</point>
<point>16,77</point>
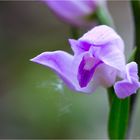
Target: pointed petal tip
<point>41,58</point>
<point>32,60</point>
<point>72,41</point>
<point>36,59</point>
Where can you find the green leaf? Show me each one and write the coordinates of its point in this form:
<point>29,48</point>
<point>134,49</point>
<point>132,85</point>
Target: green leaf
<point>118,118</point>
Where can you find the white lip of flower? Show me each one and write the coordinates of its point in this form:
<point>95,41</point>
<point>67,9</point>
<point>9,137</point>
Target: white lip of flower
<point>89,63</point>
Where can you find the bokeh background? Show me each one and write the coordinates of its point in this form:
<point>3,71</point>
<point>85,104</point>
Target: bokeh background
<point>34,103</point>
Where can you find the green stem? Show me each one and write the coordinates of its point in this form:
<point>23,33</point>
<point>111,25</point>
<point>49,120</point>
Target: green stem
<point>132,56</point>
<point>104,17</point>
<point>74,32</point>
<point>111,95</point>
<point>118,118</point>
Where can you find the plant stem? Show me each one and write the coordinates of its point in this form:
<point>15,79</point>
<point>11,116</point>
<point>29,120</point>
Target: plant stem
<point>74,32</point>
<point>104,17</point>
<point>111,95</point>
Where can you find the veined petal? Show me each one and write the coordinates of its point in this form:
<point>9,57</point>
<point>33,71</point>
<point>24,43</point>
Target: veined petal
<point>72,11</point>
<point>106,75</point>
<point>102,35</point>
<point>111,56</point>
<point>129,85</point>
<point>68,8</point>
<point>132,69</point>
<point>124,88</point>
<point>79,47</point>
<point>60,62</point>
<point>65,66</point>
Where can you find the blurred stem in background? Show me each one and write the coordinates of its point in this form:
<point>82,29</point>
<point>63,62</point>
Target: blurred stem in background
<point>135,4</point>
<point>104,17</point>
<point>74,32</point>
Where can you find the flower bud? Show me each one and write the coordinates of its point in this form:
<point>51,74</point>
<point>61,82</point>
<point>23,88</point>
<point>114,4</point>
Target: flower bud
<point>76,12</point>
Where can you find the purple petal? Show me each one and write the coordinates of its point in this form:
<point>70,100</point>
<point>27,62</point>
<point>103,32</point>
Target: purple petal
<point>133,70</point>
<point>105,75</point>
<point>102,35</point>
<point>111,56</point>
<point>60,62</point>
<point>65,67</point>
<point>86,69</point>
<point>79,47</point>
<point>68,8</point>
<point>124,88</point>
<point>105,44</point>
<point>72,11</point>
<point>130,84</point>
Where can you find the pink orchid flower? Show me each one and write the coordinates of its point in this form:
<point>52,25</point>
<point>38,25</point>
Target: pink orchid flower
<point>98,60</point>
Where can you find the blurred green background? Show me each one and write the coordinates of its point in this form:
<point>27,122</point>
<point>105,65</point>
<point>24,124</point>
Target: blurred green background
<point>34,103</point>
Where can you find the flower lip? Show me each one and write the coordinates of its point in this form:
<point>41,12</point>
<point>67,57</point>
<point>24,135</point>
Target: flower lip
<point>87,69</point>
<point>89,63</point>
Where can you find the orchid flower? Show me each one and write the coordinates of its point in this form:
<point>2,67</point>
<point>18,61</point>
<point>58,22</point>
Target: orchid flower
<point>98,60</point>
<point>75,12</point>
